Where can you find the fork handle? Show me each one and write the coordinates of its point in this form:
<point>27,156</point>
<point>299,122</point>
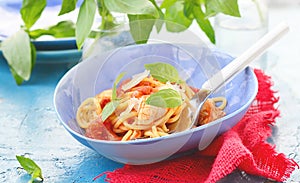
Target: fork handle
<point>241,62</point>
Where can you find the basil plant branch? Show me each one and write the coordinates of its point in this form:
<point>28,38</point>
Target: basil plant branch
<point>181,12</point>
<point>18,49</point>
<point>20,52</point>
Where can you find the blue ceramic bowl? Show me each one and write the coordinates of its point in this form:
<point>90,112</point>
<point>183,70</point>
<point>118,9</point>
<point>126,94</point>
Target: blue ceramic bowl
<point>195,64</point>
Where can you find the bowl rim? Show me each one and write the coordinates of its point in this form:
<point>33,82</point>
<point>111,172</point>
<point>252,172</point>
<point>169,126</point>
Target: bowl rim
<point>174,135</point>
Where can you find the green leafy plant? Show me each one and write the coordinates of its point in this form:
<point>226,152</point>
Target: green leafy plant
<point>166,98</point>
<point>18,49</point>
<point>181,12</point>
<point>31,168</point>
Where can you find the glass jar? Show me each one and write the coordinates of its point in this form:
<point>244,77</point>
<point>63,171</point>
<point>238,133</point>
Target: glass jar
<point>235,34</point>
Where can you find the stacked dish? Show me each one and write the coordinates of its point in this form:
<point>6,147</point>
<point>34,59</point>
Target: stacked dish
<point>49,49</point>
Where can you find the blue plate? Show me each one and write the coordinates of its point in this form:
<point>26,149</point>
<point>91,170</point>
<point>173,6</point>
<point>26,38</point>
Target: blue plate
<point>17,4</point>
<point>51,45</point>
<point>61,56</point>
<point>56,44</point>
<point>12,8</point>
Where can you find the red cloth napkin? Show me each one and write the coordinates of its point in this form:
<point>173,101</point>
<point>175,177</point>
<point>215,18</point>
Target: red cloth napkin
<point>243,147</point>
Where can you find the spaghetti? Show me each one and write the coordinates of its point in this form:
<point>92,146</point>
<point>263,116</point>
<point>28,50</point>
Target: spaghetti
<point>133,117</point>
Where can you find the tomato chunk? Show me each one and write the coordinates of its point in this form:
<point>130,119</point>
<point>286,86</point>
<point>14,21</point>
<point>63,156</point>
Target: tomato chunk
<point>101,131</point>
<point>144,90</point>
<point>104,101</point>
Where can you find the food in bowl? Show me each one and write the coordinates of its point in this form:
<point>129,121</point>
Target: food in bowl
<point>149,105</point>
<point>195,65</point>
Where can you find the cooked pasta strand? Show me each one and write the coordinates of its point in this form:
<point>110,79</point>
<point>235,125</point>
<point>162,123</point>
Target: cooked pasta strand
<point>122,118</point>
<point>127,135</point>
<point>133,118</point>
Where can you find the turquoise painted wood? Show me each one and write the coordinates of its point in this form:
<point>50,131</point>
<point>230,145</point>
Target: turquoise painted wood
<point>29,125</point>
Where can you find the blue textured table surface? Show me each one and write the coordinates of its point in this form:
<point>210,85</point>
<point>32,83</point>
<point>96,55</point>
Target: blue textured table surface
<point>29,125</point>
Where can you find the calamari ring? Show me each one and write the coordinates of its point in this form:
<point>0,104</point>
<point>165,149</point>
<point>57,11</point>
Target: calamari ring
<point>88,112</point>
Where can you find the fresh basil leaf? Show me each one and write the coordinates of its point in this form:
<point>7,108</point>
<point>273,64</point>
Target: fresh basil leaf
<point>204,23</point>
<point>167,3</point>
<point>176,21</point>
<point>63,29</point>
<point>108,22</point>
<point>101,7</point>
<point>67,6</point>
<point>228,7</point>
<point>34,34</point>
<point>113,104</point>
<point>131,6</point>
<point>188,8</point>
<point>166,98</point>
<point>114,90</point>
<point>31,11</point>
<point>85,21</point>
<point>109,109</point>
<point>18,79</point>
<point>33,55</point>
<point>37,174</point>
<point>163,72</point>
<point>17,52</point>
<point>141,27</point>
<point>107,19</point>
<point>60,30</point>
<point>160,21</point>
<point>30,167</point>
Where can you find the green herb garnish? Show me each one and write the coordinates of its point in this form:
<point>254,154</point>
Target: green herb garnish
<point>166,98</point>
<point>113,104</point>
<point>85,21</point>
<point>17,51</point>
<point>31,11</point>
<point>60,30</point>
<point>67,6</point>
<point>109,109</point>
<point>163,72</point>
<point>31,168</point>
<point>131,6</point>
<point>114,90</point>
